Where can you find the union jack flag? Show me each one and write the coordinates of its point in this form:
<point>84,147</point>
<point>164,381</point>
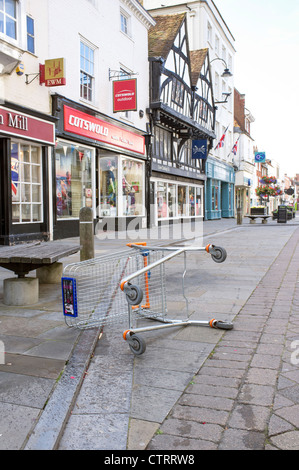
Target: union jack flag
<point>221,141</point>
<point>14,175</point>
<point>235,147</point>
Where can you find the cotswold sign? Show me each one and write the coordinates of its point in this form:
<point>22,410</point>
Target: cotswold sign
<point>124,95</point>
<point>93,128</point>
<point>13,123</point>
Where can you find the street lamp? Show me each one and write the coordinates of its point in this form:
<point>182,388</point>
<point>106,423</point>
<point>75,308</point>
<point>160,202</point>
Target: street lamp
<point>226,73</point>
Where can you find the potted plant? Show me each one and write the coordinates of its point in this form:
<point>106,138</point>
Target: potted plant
<point>258,210</point>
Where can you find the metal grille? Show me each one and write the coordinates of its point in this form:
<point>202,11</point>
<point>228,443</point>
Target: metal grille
<point>98,297</point>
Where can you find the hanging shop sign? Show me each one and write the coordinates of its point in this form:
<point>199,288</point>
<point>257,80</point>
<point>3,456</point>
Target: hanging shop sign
<point>260,157</point>
<point>199,149</point>
<point>125,95</point>
<point>93,128</point>
<point>23,125</point>
<point>52,73</point>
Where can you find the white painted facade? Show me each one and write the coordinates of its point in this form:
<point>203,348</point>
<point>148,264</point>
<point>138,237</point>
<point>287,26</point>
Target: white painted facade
<point>13,87</point>
<point>60,25</point>
<point>98,25</point>
<point>116,31</point>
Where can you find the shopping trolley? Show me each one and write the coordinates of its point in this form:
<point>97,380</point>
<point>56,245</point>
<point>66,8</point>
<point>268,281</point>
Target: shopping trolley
<point>94,291</point>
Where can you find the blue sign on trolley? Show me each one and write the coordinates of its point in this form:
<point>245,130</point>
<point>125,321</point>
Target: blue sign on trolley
<point>69,297</point>
<point>260,157</point>
<point>199,149</point>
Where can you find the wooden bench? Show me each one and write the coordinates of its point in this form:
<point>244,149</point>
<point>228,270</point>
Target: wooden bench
<point>254,217</point>
<point>21,259</point>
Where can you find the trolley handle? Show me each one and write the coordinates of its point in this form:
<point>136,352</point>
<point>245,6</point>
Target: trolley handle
<point>218,255</point>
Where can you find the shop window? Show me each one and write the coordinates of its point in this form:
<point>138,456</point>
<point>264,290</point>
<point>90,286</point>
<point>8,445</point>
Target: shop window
<point>215,190</point>
<point>198,202</point>
<point>182,200</point>
<point>30,35</point>
<point>26,184</point>
<point>73,179</point>
<point>8,18</point>
<point>132,187</point>
<point>162,199</point>
<point>172,200</point>
<point>108,186</point>
<point>86,71</point>
<point>191,201</point>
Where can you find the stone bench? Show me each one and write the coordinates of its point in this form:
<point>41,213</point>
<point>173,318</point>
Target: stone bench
<point>254,217</point>
<point>21,259</point>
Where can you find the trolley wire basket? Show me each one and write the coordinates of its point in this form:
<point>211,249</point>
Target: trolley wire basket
<point>100,291</point>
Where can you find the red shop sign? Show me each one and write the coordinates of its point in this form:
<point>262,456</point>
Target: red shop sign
<point>125,95</point>
<point>23,125</point>
<point>91,127</point>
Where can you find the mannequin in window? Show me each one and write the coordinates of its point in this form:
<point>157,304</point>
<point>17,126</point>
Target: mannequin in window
<point>111,189</point>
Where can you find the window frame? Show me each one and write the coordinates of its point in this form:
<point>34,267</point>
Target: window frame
<point>22,183</point>
<point>128,26</point>
<point>29,35</point>
<point>15,19</point>
<point>83,72</point>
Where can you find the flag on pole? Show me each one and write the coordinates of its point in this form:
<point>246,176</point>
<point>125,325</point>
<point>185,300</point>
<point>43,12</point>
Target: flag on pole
<point>235,147</point>
<point>221,141</point>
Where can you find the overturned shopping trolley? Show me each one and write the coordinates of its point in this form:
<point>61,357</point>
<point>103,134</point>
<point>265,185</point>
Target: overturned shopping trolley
<point>94,291</point>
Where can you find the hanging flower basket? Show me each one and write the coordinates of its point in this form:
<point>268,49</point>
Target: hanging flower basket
<point>268,180</point>
<point>264,191</point>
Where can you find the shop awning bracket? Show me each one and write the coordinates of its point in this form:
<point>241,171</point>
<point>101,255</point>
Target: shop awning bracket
<point>117,74</point>
<point>29,75</point>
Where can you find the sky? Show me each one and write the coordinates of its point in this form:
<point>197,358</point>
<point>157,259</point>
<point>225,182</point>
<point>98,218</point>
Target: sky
<point>266,70</point>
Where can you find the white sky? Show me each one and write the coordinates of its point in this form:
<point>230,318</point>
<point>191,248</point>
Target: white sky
<point>266,36</point>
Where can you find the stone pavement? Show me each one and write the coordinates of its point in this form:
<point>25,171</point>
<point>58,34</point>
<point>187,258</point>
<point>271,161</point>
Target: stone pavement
<point>194,388</point>
<point>246,395</point>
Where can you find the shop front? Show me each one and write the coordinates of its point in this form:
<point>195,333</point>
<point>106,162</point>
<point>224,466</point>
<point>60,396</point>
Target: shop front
<point>219,190</point>
<point>99,163</point>
<point>26,139</point>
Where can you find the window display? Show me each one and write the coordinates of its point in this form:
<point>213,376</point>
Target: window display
<point>162,199</point>
<point>178,200</point>
<point>215,190</point>
<point>108,186</point>
<point>73,178</point>
<point>182,200</point>
<point>191,201</point>
<point>121,186</point>
<point>26,183</point>
<point>171,200</point>
<point>198,202</point>
<point>132,187</point>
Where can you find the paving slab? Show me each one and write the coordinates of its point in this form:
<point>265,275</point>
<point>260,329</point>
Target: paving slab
<point>258,281</point>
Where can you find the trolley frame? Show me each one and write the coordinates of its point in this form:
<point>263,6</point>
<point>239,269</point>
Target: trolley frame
<point>134,296</point>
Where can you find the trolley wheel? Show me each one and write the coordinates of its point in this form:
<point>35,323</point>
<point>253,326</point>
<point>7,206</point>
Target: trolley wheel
<point>220,254</point>
<point>137,344</point>
<point>223,325</point>
<point>134,295</point>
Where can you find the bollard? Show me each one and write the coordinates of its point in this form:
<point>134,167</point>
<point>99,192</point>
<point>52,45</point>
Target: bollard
<point>86,234</point>
<point>239,216</point>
